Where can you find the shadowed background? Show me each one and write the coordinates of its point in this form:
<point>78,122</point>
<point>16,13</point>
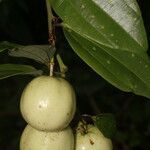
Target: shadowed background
<point>25,22</point>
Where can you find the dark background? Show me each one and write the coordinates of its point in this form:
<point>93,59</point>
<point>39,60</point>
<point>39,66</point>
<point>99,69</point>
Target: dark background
<point>25,22</point>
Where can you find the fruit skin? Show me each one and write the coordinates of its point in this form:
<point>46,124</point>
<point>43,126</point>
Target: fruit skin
<point>92,140</point>
<point>33,139</point>
<point>48,103</point>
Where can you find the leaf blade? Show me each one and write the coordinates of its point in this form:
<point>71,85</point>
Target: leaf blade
<point>106,123</point>
<point>8,70</point>
<point>116,30</point>
<point>39,53</point>
<point>95,19</point>
<point>4,45</point>
<point>118,67</point>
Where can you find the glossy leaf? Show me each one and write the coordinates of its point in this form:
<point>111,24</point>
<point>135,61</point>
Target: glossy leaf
<point>39,53</point>
<point>8,70</point>
<point>113,23</point>
<point>7,45</point>
<point>110,37</point>
<point>126,70</point>
<point>106,124</point>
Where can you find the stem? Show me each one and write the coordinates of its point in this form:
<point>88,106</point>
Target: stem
<point>51,67</point>
<point>50,20</point>
<point>51,33</point>
<point>62,66</point>
<point>83,127</point>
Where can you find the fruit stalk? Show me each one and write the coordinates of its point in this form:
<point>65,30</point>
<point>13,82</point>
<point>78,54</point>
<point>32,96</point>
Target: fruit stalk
<point>51,67</point>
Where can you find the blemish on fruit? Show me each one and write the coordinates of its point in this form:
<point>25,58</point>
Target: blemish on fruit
<point>40,106</point>
<point>91,142</point>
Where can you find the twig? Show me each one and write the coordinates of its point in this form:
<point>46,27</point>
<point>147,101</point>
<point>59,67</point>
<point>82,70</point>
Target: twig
<point>50,23</point>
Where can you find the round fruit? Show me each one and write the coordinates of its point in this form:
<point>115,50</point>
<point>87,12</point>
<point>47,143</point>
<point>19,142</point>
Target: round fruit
<point>33,139</point>
<point>48,103</point>
<point>92,139</point>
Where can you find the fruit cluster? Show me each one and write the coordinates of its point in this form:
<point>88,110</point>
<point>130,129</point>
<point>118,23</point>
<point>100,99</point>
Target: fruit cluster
<point>48,105</point>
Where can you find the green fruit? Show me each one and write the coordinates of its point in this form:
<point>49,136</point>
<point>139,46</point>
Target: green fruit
<point>91,139</point>
<point>33,139</point>
<point>48,103</point>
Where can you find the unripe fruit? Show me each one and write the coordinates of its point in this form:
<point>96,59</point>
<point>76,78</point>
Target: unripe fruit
<point>92,140</point>
<point>33,139</point>
<point>48,103</point>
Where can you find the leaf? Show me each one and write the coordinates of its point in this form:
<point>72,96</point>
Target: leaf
<point>128,71</point>
<point>39,53</point>
<point>113,23</point>
<point>8,70</point>
<point>7,45</point>
<point>110,37</point>
<point>106,124</point>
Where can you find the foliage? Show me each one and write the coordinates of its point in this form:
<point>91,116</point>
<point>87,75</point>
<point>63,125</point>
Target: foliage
<point>20,24</point>
<point>97,35</point>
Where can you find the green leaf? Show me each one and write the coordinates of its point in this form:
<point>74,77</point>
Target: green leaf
<point>8,70</point>
<point>126,70</point>
<point>110,37</point>
<point>7,45</point>
<point>39,53</point>
<point>113,23</point>
<point>106,124</point>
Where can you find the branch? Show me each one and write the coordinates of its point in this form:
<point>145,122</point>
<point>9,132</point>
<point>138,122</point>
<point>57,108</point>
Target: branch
<point>50,18</point>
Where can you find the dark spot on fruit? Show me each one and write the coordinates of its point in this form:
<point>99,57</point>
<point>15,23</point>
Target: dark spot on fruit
<point>40,106</point>
<point>91,142</point>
